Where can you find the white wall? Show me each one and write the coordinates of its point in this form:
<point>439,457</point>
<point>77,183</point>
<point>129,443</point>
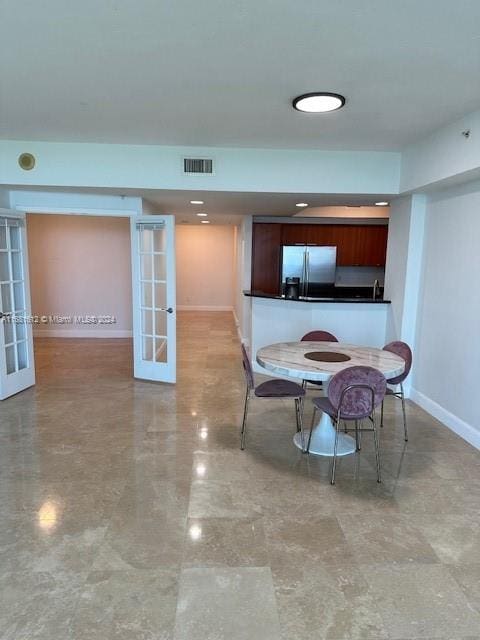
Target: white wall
<point>243,270</point>
<point>447,350</point>
<point>205,266</point>
<point>288,320</point>
<point>404,267</point>
<point>117,166</point>
<point>80,265</point>
<point>446,155</point>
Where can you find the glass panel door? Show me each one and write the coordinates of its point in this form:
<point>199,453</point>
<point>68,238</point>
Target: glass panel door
<point>17,370</point>
<point>154,322</point>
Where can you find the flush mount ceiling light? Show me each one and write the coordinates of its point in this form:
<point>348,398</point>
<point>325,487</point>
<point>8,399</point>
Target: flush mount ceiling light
<point>196,202</point>
<point>381,204</point>
<point>301,204</point>
<point>318,102</point>
<point>205,221</point>
<point>202,215</point>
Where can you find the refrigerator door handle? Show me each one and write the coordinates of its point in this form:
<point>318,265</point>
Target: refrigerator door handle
<point>304,271</point>
<point>307,269</point>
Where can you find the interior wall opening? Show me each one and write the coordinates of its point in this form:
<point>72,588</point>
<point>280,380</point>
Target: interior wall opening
<point>81,292</point>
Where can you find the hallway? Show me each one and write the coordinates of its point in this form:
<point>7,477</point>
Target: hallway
<point>128,511</point>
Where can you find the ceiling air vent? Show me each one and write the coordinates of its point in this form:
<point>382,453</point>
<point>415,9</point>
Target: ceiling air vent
<point>198,166</point>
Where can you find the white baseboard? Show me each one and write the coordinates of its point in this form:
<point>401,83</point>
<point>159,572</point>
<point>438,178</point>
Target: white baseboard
<point>82,333</point>
<point>186,307</point>
<point>242,338</point>
<point>453,422</point>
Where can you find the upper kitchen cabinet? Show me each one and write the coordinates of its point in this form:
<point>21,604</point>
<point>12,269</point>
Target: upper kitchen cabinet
<point>314,234</point>
<point>266,248</point>
<point>361,245</point>
<point>358,245</point>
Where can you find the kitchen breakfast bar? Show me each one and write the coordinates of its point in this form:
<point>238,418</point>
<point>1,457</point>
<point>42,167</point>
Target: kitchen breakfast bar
<point>358,319</point>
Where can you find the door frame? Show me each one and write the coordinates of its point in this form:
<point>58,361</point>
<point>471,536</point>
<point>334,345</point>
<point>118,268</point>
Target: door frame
<point>79,211</point>
<point>146,369</point>
<point>23,378</point>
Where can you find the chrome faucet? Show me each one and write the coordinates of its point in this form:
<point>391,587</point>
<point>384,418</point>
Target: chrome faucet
<point>376,289</point>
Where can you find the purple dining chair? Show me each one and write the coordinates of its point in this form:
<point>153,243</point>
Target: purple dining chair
<point>353,394</point>
<point>403,350</point>
<point>274,388</point>
<point>317,336</point>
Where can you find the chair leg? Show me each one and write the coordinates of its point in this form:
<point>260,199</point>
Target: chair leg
<point>334,461</point>
<point>299,414</point>
<point>381,416</point>
<point>311,429</point>
<point>244,423</point>
<point>377,450</point>
<point>357,438</point>
<point>403,411</point>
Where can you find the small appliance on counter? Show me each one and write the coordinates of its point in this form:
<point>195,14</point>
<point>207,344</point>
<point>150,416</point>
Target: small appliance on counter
<point>292,288</point>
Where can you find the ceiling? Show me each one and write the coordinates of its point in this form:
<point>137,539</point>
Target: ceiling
<point>224,72</point>
<point>228,207</point>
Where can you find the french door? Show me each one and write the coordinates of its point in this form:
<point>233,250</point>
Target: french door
<point>153,289</point>
<point>17,368</point>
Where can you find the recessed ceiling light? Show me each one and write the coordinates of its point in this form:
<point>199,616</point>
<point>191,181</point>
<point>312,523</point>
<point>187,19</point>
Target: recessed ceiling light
<point>205,221</point>
<point>202,215</point>
<point>381,204</point>
<point>318,102</point>
<point>301,204</point>
<point>196,202</point>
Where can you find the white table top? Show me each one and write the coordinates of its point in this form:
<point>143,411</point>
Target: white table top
<point>288,359</point>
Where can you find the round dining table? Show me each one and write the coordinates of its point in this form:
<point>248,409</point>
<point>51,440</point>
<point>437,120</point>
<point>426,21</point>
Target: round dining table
<point>319,361</point>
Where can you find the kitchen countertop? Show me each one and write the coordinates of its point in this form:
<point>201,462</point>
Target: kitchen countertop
<point>337,297</point>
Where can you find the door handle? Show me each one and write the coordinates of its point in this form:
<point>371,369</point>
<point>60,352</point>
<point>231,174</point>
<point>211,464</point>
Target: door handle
<point>169,310</point>
<point>307,272</point>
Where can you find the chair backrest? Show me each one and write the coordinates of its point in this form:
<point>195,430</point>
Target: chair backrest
<point>356,391</point>
<point>403,350</point>
<point>247,368</point>
<point>319,336</point>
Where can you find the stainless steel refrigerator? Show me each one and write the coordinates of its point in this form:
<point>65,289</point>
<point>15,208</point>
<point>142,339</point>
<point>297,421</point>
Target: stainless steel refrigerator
<point>315,266</point>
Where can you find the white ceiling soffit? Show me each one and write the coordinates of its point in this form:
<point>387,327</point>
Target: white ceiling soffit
<point>222,207</point>
<point>219,73</point>
<point>229,207</point>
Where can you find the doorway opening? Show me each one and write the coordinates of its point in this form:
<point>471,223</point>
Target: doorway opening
<point>81,292</point>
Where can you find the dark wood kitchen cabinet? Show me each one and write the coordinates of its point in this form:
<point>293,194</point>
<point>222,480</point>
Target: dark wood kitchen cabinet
<point>266,249</point>
<point>314,234</point>
<point>357,245</point>
<point>361,245</point>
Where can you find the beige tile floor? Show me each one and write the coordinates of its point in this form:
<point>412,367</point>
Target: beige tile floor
<point>129,512</point>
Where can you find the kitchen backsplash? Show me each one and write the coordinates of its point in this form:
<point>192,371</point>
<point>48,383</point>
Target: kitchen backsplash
<point>359,276</point>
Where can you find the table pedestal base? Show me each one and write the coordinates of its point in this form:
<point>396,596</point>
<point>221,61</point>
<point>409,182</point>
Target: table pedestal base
<point>323,439</point>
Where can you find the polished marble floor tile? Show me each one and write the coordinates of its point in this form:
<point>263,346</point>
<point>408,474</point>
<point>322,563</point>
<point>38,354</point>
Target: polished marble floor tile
<point>38,605</point>
<point>385,538</point>
<point>222,604</point>
<point>311,540</point>
<point>420,601</point>
<point>324,601</point>
<point>467,577</point>
<point>127,510</point>
<point>455,540</point>
<point>125,605</point>
<point>225,542</point>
